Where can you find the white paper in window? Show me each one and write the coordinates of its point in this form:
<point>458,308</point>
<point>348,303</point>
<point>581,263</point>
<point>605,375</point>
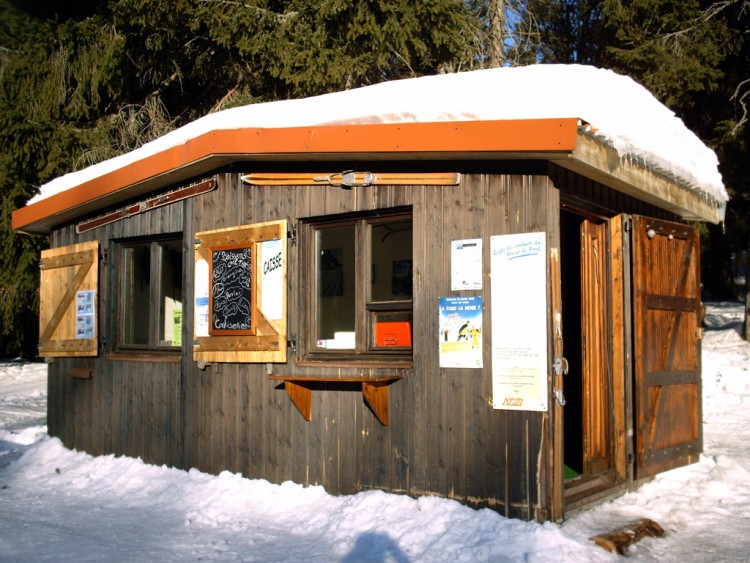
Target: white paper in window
<point>201,298</point>
<point>272,286</point>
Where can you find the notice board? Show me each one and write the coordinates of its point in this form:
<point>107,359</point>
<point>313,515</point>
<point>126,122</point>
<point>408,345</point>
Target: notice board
<point>519,321</point>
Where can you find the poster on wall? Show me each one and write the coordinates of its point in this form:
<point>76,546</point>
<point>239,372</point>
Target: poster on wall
<point>85,313</point>
<point>519,321</point>
<point>461,332</point>
<point>466,264</point>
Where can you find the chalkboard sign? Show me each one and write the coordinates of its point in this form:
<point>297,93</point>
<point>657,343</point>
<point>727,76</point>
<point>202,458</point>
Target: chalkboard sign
<point>231,291</point>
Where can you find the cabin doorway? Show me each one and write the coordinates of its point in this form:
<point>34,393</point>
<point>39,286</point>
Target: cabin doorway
<point>630,308</point>
<point>589,420</point>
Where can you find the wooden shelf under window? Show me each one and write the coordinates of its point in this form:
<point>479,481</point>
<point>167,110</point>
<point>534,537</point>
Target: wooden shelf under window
<point>374,390</point>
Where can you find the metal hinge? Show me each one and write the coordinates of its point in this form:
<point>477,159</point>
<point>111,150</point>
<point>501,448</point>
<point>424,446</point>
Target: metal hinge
<point>292,343</point>
<point>292,235</point>
<point>105,255</point>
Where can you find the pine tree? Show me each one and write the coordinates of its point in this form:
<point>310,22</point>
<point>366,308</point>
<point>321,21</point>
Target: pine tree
<point>81,82</point>
<point>695,57</point>
<point>570,31</point>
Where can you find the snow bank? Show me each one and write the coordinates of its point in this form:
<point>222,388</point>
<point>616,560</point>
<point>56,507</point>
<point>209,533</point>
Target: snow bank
<point>621,112</point>
<point>62,505</point>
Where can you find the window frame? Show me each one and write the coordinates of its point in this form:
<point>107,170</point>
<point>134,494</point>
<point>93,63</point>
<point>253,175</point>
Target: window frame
<point>156,246</point>
<point>365,309</point>
<point>269,342</point>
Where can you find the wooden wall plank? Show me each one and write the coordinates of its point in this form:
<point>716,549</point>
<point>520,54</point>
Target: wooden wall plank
<point>443,436</point>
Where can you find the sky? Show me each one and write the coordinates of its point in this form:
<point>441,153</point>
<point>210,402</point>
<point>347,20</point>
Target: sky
<point>617,110</point>
<point>62,505</point>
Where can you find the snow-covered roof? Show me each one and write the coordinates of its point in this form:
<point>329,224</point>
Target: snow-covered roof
<point>597,123</point>
<point>620,111</point>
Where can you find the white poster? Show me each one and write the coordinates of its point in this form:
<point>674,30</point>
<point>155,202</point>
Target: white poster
<point>466,264</point>
<point>85,313</point>
<point>519,321</point>
<point>272,286</point>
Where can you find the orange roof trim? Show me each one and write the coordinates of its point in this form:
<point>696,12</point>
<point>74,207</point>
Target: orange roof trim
<point>216,148</point>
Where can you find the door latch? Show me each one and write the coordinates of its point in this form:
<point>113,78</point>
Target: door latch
<point>560,365</point>
<point>559,397</point>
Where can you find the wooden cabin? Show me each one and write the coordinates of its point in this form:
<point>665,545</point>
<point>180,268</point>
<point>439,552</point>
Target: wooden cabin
<point>505,312</point>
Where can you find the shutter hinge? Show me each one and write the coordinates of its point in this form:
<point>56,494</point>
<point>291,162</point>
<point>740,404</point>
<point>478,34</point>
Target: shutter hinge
<point>292,235</point>
<point>292,343</point>
<point>197,242</point>
<point>628,225</point>
<point>105,255</point>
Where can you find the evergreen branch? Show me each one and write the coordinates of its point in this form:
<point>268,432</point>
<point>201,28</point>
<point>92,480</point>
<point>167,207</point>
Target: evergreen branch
<point>744,100</point>
<point>704,17</point>
<point>218,105</point>
<point>279,18</point>
<point>403,59</point>
<point>177,74</point>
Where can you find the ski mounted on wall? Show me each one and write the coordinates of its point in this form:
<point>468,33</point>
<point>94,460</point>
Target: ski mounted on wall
<point>349,179</point>
<point>147,205</point>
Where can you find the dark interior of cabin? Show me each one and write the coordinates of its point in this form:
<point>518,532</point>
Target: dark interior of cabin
<point>570,245</point>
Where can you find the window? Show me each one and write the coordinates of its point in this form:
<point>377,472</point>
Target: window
<point>360,287</point>
<point>149,277</point>
<point>240,294</point>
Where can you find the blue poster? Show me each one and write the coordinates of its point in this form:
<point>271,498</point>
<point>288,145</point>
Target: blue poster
<point>461,332</point>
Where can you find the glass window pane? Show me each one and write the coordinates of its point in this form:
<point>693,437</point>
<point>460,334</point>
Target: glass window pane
<point>170,295</point>
<point>336,281</point>
<point>391,270</point>
<point>136,292</point>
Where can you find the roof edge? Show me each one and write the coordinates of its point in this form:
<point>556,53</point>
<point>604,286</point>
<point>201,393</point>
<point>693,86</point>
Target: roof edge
<point>213,149</point>
<point>600,161</point>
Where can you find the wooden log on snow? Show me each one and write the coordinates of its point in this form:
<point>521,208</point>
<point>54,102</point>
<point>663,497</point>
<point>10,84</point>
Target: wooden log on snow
<point>618,541</point>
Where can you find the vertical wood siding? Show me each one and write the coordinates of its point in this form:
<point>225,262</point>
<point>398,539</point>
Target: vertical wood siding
<point>127,407</point>
<point>443,437</point>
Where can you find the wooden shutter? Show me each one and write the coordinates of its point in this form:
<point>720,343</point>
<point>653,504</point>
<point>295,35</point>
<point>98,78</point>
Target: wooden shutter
<point>266,341</point>
<point>667,332</point>
<point>68,324</point>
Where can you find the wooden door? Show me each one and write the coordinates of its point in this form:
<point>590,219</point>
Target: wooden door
<point>667,332</point>
<point>594,348</point>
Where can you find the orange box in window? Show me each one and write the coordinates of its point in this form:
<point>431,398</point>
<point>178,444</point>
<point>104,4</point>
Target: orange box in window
<point>393,334</point>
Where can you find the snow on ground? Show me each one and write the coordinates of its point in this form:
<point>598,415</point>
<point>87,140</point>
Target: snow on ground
<point>61,505</point>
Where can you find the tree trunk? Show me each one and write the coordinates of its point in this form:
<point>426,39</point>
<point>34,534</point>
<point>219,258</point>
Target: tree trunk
<point>496,56</point>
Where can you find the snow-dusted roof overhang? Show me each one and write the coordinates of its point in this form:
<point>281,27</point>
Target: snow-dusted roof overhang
<point>639,147</point>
